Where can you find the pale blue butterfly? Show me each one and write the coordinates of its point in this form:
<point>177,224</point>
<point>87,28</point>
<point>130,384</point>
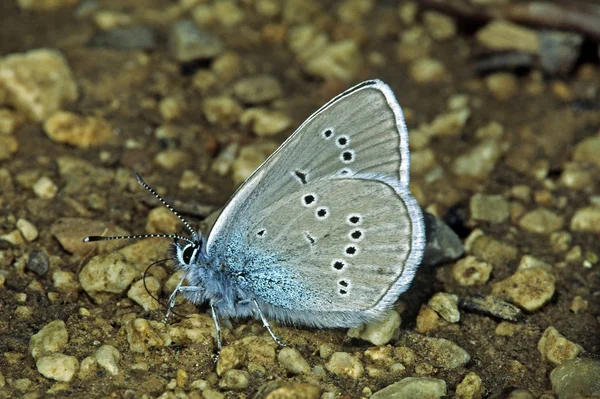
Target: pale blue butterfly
<point>325,233</point>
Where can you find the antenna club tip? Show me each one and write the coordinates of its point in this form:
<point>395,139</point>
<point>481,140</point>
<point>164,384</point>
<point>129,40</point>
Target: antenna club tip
<point>86,239</point>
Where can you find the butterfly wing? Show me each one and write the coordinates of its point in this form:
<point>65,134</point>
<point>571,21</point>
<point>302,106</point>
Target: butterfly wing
<point>359,134</point>
<point>336,253</point>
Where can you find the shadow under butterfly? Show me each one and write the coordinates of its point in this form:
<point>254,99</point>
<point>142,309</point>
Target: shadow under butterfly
<point>325,233</point>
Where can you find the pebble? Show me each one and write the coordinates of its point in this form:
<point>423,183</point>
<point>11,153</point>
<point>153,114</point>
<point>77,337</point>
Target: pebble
<point>196,329</point>
<point>480,160</point>
<point>541,221</point>
<point>489,249</point>
<point>530,289</point>
<point>295,391</point>
<point>502,85</point>
<point>144,335</point>
<point>576,176</point>
<point>10,121</point>
<point>293,361</point>
<point>379,333</point>
<point>489,208</point>
<point>37,83</point>
<point>45,188</point>
<point>8,146</point>
<point>27,229</point>
<point>126,38</point>
<point>79,131</point>
<point>345,365</point>
<point>427,70</point>
<point>108,357</point>
<point>23,312</point>
<point>414,44</point>
<point>140,295</point>
<point>578,305</point>
<point>428,320</point>
<point>586,220</point>
<point>559,51</point>
<point>69,233</point>
<point>52,338</point>
<point>46,5</point>
<point>471,387</point>
<point>502,35</point>
<point>227,67</point>
<point>236,380</point>
<point>264,122</point>
<point>188,42</point>
<point>442,243</point>
<point>422,161</point>
<point>340,61</point>
<point>576,379</point>
<point>414,388</point>
<point>171,108</point>
<point>257,89</point>
<point>587,151</point>
<point>445,354</point>
<point>171,159</point>
<point>38,262</point>
<point>450,124</point>
<point>222,111</point>
<point>57,367</point>
<point>258,353</point>
<point>162,220</point>
<point>250,158</point>
<point>107,274</point>
<point>471,271</point>
<point>439,26</point>
<point>65,282</point>
<point>446,305</point>
<point>555,348</point>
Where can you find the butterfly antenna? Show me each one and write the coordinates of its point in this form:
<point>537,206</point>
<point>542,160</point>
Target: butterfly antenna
<point>102,238</point>
<point>142,183</point>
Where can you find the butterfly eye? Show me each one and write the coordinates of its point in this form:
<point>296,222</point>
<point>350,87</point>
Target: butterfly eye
<point>188,252</point>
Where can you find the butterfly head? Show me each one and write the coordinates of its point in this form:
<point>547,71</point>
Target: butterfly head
<point>190,253</point>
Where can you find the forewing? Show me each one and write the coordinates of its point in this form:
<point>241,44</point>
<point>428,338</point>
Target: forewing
<point>336,252</point>
<point>360,131</point>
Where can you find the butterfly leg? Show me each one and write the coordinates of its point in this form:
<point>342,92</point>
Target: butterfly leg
<point>266,324</point>
<point>215,317</point>
<point>172,299</point>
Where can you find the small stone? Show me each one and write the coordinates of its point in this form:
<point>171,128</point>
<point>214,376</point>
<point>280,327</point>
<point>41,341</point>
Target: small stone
<point>171,159</point>
<point>450,124</point>
<point>79,131</point>
<point>414,388</point>
<point>556,348</point>
<point>422,161</point>
<point>293,361</point>
<point>264,122</point>
<point>171,108</point>
<point>65,282</point>
<point>23,312</point>
<point>22,384</point>
<point>528,262</point>
<point>222,111</point>
<point>106,274</point>
<point>227,67</point>
<point>541,221</point>
<point>559,51</point>
<point>87,368</point>
<point>52,338</point>
<point>345,365</point>
<point>446,305</point>
<point>235,380</point>
<point>489,208</point>
<point>414,44</point>
<point>162,220</point>
<point>502,85</point>
<point>38,262</point>
<point>586,220</point>
<point>427,70</point>
<point>442,243</point>
<point>140,295</point>
<point>257,89</point>
<point>8,146</point>
<point>57,367</point>
<point>204,80</point>
<point>587,151</point>
<point>70,231</point>
<point>196,329</point>
<point>144,335</point>
<point>480,160</point>
<point>250,158</point>
<point>46,5</point>
<point>294,391</point>
<point>378,333</point>
<point>126,38</point>
<point>27,229</point>
<point>576,379</point>
<point>336,61</point>
<point>440,26</point>
<point>188,42</point>
<point>470,271</point>
<point>212,394</point>
<point>576,176</point>
<point>428,320</point>
<point>445,354</point>
<point>503,35</point>
<point>37,83</point>
<point>10,121</point>
<point>471,387</point>
<point>108,357</point>
<point>530,289</point>
<point>45,188</point>
<point>257,353</point>
<point>578,305</point>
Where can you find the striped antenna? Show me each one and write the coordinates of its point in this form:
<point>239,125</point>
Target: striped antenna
<point>101,238</point>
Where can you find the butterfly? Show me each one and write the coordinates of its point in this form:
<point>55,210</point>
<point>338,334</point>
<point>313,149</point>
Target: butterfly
<point>325,233</point>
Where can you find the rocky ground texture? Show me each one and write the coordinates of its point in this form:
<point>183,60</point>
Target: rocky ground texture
<point>502,101</point>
